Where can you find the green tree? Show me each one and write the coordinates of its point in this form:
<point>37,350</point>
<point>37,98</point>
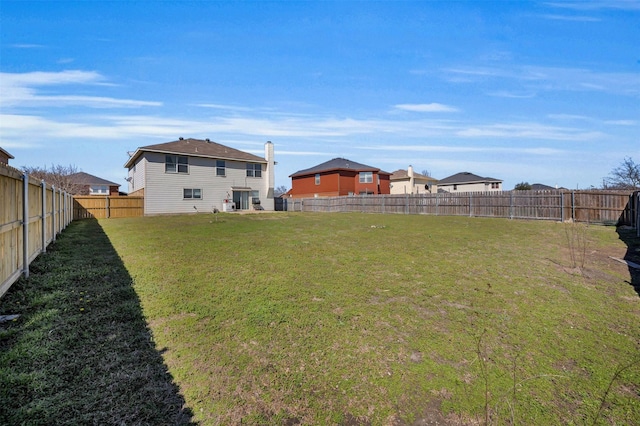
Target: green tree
<point>523,186</point>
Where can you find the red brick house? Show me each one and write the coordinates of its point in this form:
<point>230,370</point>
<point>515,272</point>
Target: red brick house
<point>339,177</point>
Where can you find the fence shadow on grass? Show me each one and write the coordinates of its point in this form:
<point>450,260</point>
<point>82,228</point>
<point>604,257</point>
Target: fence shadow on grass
<point>630,238</point>
<point>81,351</point>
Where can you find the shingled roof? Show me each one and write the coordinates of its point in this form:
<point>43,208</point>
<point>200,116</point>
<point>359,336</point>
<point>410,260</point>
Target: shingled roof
<point>338,164</point>
<point>196,148</point>
<point>466,177</point>
<point>404,174</point>
<point>82,178</point>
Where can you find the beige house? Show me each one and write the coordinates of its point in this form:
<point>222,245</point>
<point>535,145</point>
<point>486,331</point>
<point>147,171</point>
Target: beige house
<point>5,156</point>
<point>468,182</point>
<point>410,182</point>
<point>195,175</point>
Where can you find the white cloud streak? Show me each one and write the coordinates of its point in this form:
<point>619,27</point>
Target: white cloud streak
<point>536,78</point>
<point>432,107</point>
<point>22,90</point>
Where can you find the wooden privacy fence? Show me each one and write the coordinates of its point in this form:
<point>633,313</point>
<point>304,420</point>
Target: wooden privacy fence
<point>606,207</point>
<point>32,213</point>
<point>107,207</point>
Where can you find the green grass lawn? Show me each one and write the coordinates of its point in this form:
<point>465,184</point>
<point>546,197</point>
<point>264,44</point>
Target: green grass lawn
<point>281,318</point>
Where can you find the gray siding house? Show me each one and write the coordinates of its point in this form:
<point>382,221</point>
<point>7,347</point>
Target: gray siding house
<point>195,175</point>
<point>468,182</point>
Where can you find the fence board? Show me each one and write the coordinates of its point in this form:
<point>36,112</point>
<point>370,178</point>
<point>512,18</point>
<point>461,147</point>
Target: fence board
<point>605,207</point>
<point>100,207</point>
<point>25,232</point>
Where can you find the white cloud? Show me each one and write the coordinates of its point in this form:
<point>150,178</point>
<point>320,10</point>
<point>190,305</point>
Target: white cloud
<point>463,149</point>
<point>597,4</point>
<point>22,90</point>
<point>529,131</point>
<point>432,107</point>
<point>536,78</point>
<point>571,18</point>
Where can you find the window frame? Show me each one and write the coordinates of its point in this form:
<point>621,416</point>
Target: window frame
<point>176,164</point>
<point>192,194</point>
<point>103,190</point>
<point>254,170</point>
<point>365,177</point>
<point>221,168</point>
<point>317,178</point>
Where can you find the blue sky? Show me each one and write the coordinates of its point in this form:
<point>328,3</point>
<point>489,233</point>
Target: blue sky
<point>544,92</point>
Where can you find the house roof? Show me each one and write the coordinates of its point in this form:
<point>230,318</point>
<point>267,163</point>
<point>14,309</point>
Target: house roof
<point>466,177</point>
<point>196,148</point>
<point>541,187</point>
<point>82,178</point>
<point>337,164</point>
<point>6,153</point>
<point>404,174</point>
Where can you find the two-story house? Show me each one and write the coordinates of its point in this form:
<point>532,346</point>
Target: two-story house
<point>468,182</point>
<point>194,175</point>
<point>410,182</point>
<point>338,177</point>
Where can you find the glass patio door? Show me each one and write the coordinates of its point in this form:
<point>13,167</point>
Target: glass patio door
<point>241,200</point>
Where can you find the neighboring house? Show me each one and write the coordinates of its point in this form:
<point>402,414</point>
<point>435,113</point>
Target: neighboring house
<point>542,187</point>
<point>195,175</point>
<point>410,182</point>
<point>339,177</point>
<point>86,184</point>
<point>468,182</point>
<point>5,156</point>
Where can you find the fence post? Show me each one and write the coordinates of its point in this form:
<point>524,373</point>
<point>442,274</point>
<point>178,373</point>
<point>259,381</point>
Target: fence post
<point>470,202</point>
<point>25,225</point>
<point>107,213</point>
<point>43,188</point>
<point>573,206</point>
<point>511,205</point>
<point>53,213</point>
<point>637,205</point>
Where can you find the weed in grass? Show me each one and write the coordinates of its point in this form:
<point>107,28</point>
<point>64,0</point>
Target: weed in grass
<point>577,242</point>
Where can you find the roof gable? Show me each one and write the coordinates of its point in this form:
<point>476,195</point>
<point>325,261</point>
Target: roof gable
<point>465,177</point>
<point>6,153</point>
<point>196,148</point>
<point>404,174</point>
<point>337,164</point>
<point>82,178</point>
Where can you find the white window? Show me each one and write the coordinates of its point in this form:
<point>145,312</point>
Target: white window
<point>99,190</point>
<point>220,168</point>
<point>254,170</point>
<point>190,193</point>
<point>366,177</point>
<point>176,164</point>
<point>317,178</point>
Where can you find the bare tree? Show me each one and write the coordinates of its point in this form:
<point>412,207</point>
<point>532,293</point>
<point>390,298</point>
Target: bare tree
<point>280,190</point>
<point>625,176</point>
<point>426,172</point>
<point>57,175</point>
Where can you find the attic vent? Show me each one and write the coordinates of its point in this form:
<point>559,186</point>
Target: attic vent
<point>181,138</point>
